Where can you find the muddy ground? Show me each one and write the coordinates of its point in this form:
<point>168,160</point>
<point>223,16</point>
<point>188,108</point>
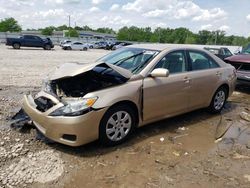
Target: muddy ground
<point>179,152</point>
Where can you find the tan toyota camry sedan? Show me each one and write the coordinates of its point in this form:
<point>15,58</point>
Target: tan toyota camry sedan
<point>128,88</point>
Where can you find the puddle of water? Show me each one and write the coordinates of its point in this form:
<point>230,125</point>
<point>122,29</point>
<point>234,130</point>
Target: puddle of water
<point>238,133</point>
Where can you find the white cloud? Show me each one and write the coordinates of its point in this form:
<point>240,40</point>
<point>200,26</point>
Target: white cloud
<point>49,2</point>
<point>96,2</point>
<point>174,9</point>
<point>211,27</point>
<point>117,20</point>
<point>114,7</point>
<point>50,14</point>
<point>94,9</point>
<point>224,28</point>
<point>206,27</point>
<point>213,14</point>
<point>155,13</point>
<point>248,17</point>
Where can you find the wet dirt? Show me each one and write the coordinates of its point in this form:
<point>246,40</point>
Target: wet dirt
<point>196,149</point>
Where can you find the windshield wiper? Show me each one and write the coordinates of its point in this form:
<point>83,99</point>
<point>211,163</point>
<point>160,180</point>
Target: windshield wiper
<point>142,64</point>
<point>127,58</point>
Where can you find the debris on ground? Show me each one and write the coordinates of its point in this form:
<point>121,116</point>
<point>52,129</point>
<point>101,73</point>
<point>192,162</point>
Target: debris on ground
<point>247,176</point>
<point>173,138</point>
<point>161,139</point>
<point>20,121</point>
<point>222,127</point>
<point>182,128</point>
<point>239,156</point>
<point>177,154</point>
<point>245,116</point>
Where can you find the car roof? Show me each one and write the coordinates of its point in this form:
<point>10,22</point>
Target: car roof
<point>169,47</point>
<point>161,47</point>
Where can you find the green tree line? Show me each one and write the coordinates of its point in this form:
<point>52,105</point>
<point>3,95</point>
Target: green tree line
<point>147,34</point>
<point>179,36</point>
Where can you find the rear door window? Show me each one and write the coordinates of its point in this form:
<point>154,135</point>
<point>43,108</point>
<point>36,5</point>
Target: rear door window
<point>201,61</point>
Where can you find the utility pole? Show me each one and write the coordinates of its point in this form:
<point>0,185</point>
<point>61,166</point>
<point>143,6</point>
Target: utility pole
<point>69,26</point>
<point>216,36</point>
<point>69,21</point>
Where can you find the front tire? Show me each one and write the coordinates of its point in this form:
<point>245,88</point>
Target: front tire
<point>16,46</point>
<point>47,47</point>
<point>85,49</point>
<point>218,100</point>
<point>116,125</point>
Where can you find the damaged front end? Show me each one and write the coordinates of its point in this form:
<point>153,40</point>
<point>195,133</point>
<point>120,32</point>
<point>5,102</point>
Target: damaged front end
<point>64,110</point>
<point>70,89</point>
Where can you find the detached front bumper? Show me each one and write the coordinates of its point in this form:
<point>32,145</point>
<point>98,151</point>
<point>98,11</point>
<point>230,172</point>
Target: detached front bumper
<point>243,77</point>
<point>72,131</point>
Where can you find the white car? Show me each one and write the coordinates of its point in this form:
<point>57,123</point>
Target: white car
<point>75,46</point>
<point>65,42</point>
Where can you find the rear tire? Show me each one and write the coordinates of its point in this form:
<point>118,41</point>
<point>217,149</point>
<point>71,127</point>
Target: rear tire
<point>68,48</point>
<point>85,49</point>
<point>16,46</point>
<point>117,125</point>
<point>218,100</point>
<point>47,47</point>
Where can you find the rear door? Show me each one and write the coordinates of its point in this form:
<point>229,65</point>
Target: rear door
<point>166,96</point>
<point>32,41</point>
<point>77,46</point>
<point>205,74</point>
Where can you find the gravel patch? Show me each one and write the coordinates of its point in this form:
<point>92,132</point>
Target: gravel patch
<point>40,167</point>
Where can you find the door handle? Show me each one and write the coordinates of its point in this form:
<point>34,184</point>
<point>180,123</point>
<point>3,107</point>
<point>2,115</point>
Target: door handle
<point>186,79</point>
<point>218,73</point>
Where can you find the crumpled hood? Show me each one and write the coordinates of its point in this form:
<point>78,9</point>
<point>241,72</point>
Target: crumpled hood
<point>74,69</point>
<point>241,58</point>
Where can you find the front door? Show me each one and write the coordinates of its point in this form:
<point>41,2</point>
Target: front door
<point>166,96</point>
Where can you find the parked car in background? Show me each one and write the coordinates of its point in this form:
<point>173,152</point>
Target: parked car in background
<point>65,42</point>
<point>75,46</point>
<point>242,64</point>
<point>90,45</point>
<point>126,89</point>
<point>246,50</point>
<point>111,45</point>
<point>30,41</point>
<point>122,44</point>
<point>100,45</point>
<point>222,53</point>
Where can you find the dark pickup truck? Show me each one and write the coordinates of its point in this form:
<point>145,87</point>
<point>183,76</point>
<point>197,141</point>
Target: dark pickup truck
<point>30,41</point>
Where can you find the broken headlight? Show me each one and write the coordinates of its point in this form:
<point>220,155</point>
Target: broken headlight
<point>75,107</point>
<point>46,86</point>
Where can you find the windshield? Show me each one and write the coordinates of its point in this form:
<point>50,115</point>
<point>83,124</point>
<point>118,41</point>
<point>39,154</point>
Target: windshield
<point>246,50</point>
<point>132,59</point>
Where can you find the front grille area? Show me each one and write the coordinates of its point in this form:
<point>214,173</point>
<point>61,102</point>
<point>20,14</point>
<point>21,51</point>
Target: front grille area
<point>241,66</point>
<point>43,104</point>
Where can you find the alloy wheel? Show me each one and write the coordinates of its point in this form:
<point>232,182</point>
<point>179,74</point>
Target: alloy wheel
<point>118,126</point>
<point>219,99</point>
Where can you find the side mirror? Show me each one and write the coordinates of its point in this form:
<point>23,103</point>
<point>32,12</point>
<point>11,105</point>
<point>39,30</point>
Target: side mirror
<point>160,72</point>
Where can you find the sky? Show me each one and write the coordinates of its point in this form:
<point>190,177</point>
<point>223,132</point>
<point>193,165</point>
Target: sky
<point>231,16</point>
